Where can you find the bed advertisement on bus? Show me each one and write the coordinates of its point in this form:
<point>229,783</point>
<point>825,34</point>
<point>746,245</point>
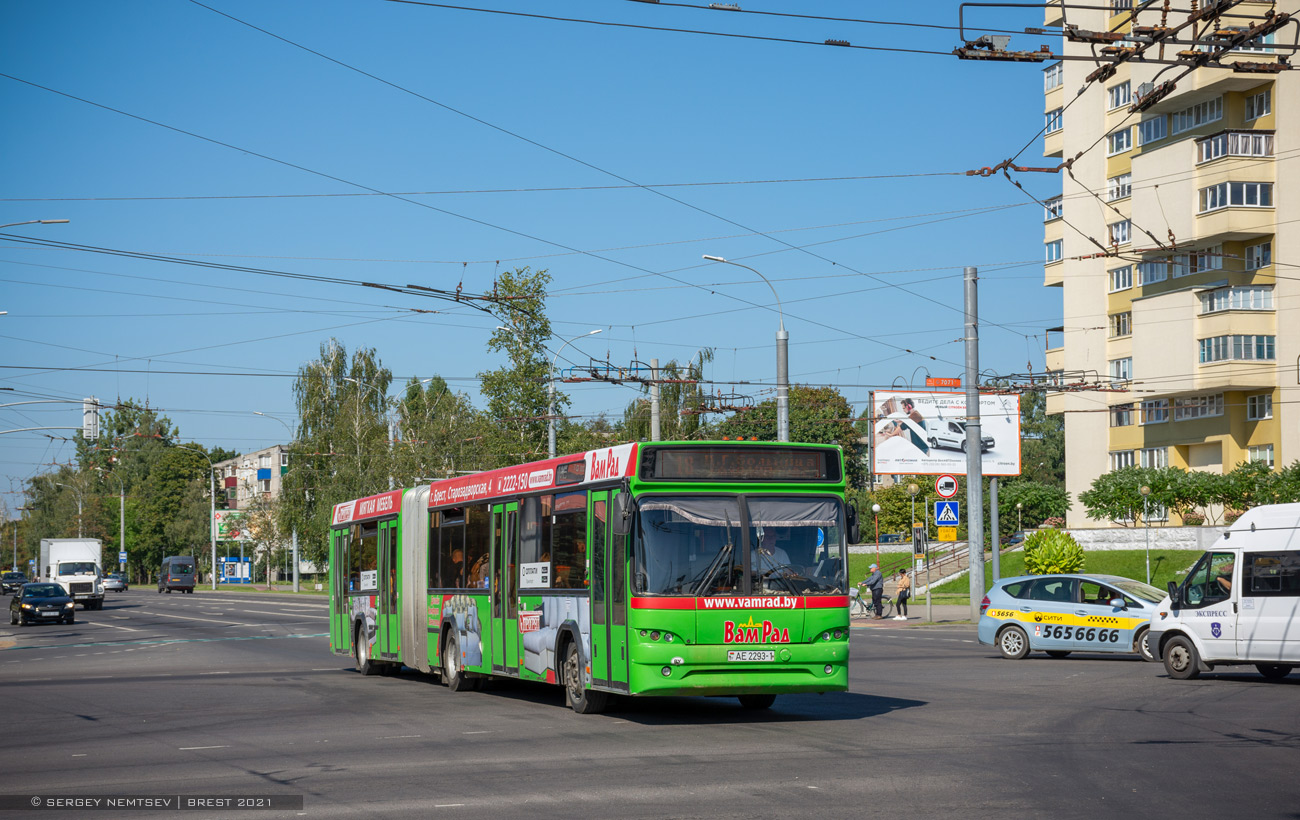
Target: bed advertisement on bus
<point>375,506</point>
<point>924,433</point>
<point>568,471</point>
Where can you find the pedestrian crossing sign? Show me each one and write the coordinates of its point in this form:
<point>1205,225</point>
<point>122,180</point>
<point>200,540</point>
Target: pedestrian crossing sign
<point>947,513</point>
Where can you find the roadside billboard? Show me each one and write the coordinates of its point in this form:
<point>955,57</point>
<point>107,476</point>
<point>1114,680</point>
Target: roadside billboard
<point>924,433</point>
<point>231,526</point>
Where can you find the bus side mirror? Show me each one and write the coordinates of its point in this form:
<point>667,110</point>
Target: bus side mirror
<point>851,517</point>
<point>623,509</point>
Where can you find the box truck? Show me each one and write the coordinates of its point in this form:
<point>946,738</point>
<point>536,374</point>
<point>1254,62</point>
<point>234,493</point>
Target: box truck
<point>75,564</point>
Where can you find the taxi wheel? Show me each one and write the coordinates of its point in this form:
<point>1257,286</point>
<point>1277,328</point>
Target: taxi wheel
<point>1181,660</point>
<point>1057,653</point>
<point>1013,643</point>
<point>1273,671</point>
<point>1142,645</point>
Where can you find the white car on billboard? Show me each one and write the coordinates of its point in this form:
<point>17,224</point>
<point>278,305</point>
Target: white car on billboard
<point>952,435</point>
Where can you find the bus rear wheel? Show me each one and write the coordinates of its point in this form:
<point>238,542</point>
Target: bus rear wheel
<point>361,650</point>
<point>452,673</point>
<point>756,701</point>
<point>582,700</point>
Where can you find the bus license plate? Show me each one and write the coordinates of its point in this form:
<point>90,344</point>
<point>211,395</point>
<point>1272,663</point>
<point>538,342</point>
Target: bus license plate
<point>751,655</point>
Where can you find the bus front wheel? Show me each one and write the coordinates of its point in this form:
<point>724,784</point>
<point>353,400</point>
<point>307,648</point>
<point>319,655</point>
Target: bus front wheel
<point>582,700</point>
<point>756,701</point>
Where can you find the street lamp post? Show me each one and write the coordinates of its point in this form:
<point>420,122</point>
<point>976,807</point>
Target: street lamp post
<point>1020,527</point>
<point>550,405</point>
<point>289,430</point>
<point>78,492</point>
<point>1146,518</point>
<point>121,515</point>
<point>875,512</point>
<point>212,506</point>
<point>782,358</point>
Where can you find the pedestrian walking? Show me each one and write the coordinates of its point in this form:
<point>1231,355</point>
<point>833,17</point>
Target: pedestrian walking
<point>904,591</point>
<point>876,584</point>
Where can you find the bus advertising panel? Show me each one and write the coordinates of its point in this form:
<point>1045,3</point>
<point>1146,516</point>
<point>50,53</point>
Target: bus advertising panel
<point>924,433</point>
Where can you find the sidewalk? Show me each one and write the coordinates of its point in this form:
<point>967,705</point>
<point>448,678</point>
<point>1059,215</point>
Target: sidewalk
<point>943,614</point>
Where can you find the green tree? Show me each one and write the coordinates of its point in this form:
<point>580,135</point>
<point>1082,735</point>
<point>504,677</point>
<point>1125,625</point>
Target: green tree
<point>1038,501</point>
<point>342,450</point>
<point>1042,441</point>
<point>517,393</point>
<point>438,433</point>
<point>681,392</point>
<point>818,415</point>
<point>1115,496</point>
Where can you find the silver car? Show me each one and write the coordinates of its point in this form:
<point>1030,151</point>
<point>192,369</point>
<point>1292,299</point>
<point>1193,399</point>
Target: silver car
<point>115,583</point>
<point>952,436</point>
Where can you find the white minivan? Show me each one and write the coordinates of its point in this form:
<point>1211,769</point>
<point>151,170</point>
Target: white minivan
<point>1240,603</point>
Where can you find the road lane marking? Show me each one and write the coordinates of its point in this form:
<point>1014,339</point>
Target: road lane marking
<point>484,732</point>
<point>83,754</point>
<point>447,805</point>
<point>197,748</point>
<point>397,737</point>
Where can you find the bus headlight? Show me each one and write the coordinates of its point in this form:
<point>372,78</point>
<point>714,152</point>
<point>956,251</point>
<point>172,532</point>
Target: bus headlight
<point>666,671</point>
<point>830,669</point>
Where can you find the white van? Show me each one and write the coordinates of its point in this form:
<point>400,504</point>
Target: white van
<point>1240,603</point>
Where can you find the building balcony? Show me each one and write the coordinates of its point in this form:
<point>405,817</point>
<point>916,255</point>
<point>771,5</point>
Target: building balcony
<point>1236,224</point>
<point>1054,274</point>
<point>1237,375</point>
<point>1055,358</point>
<point>1054,144</point>
<point>1054,14</point>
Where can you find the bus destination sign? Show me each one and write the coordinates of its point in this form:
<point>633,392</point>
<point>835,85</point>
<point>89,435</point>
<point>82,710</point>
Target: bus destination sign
<point>724,463</point>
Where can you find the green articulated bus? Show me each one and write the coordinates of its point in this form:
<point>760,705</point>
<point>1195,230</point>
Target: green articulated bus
<point>659,568</point>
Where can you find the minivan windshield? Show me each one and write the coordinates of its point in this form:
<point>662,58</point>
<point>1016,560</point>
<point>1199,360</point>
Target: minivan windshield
<point>700,545</point>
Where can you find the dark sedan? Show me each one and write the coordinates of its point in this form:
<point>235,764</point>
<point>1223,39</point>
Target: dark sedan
<point>11,581</point>
<point>39,603</point>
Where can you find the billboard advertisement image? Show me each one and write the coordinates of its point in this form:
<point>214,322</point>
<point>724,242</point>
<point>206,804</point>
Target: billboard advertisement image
<point>231,526</point>
<point>924,433</point>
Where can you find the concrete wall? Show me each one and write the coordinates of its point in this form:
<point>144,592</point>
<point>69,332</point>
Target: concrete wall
<point>1135,538</point>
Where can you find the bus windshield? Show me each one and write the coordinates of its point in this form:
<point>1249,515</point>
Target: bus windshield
<point>697,545</point>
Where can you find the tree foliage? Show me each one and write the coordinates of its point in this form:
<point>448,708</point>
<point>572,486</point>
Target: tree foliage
<point>818,415</point>
<point>1052,551</point>
<point>674,398</point>
<point>517,393</point>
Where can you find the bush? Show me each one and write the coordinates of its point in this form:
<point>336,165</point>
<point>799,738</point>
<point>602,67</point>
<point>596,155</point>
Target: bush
<point>1052,550</point>
<point>1054,523</point>
<point>1231,516</point>
<point>1193,519</point>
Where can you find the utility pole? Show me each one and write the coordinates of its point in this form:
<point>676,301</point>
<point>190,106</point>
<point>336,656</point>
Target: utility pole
<point>654,400</point>
<point>993,527</point>
<point>974,457</point>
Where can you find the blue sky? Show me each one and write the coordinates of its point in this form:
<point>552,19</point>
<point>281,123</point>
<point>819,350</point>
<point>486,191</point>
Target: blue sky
<point>653,107</point>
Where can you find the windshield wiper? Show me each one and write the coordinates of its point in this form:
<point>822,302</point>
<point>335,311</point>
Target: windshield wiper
<point>723,558</point>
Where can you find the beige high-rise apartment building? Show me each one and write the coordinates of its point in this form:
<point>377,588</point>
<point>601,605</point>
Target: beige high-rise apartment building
<point>1194,317</point>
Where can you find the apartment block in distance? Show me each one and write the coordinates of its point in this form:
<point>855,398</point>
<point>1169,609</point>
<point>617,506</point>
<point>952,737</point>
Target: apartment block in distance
<point>251,476</point>
<point>1193,319</point>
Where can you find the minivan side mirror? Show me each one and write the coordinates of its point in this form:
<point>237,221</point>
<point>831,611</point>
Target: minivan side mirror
<point>1173,595</point>
<point>851,517</point>
<point>623,510</point>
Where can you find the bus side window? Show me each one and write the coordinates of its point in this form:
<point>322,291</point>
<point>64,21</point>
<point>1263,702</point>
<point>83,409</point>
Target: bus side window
<point>478,532</point>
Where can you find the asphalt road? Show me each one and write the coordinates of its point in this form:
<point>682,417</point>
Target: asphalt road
<point>235,693</point>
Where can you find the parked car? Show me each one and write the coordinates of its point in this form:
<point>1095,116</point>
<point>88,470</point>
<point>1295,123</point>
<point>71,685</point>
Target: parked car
<point>891,538</point>
<point>952,435</point>
<point>42,602</point>
<point>11,581</point>
<point>1059,614</point>
<point>1014,539</point>
<point>115,583</point>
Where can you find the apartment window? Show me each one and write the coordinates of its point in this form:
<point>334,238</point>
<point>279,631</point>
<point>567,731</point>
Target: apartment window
<point>1053,208</point>
<point>1119,142</point>
<point>1262,45</point>
<point>1121,324</point>
<point>1117,95</point>
<point>1259,407</point>
<point>264,460</point>
<point>1053,250</point>
<point>1237,195</point>
<point>1121,370</point>
<point>230,471</point>
<point>1185,264</point>
<point>1053,77</point>
<point>264,485</point>
<point>1262,452</point>
<point>1259,105</point>
<point>1119,232</point>
<point>1259,256</point>
<point>1053,120</point>
<point>284,459</point>
<point>1235,144</point>
<point>1198,407</point>
<point>1238,347</point>
<point>1152,130</point>
<point>1121,278</point>
<point>1245,297</point>
<point>1119,187</point>
<point>1118,6</point>
<point>1119,459</point>
<point>1152,271</point>
<point>1121,415</point>
<point>1155,411</point>
<point>1155,458</point>
<point>1197,115</point>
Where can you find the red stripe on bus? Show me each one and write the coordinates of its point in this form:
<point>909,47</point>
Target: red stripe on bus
<point>828,602</point>
<point>663,603</point>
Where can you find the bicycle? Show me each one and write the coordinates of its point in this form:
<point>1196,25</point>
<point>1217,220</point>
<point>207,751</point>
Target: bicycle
<point>861,607</point>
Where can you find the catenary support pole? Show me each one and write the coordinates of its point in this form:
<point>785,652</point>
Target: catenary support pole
<point>654,400</point>
<point>295,559</point>
<point>974,465</point>
<point>993,527</point>
<point>782,383</point>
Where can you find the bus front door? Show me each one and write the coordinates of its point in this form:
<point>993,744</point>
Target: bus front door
<point>340,635</point>
<point>608,606</point>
